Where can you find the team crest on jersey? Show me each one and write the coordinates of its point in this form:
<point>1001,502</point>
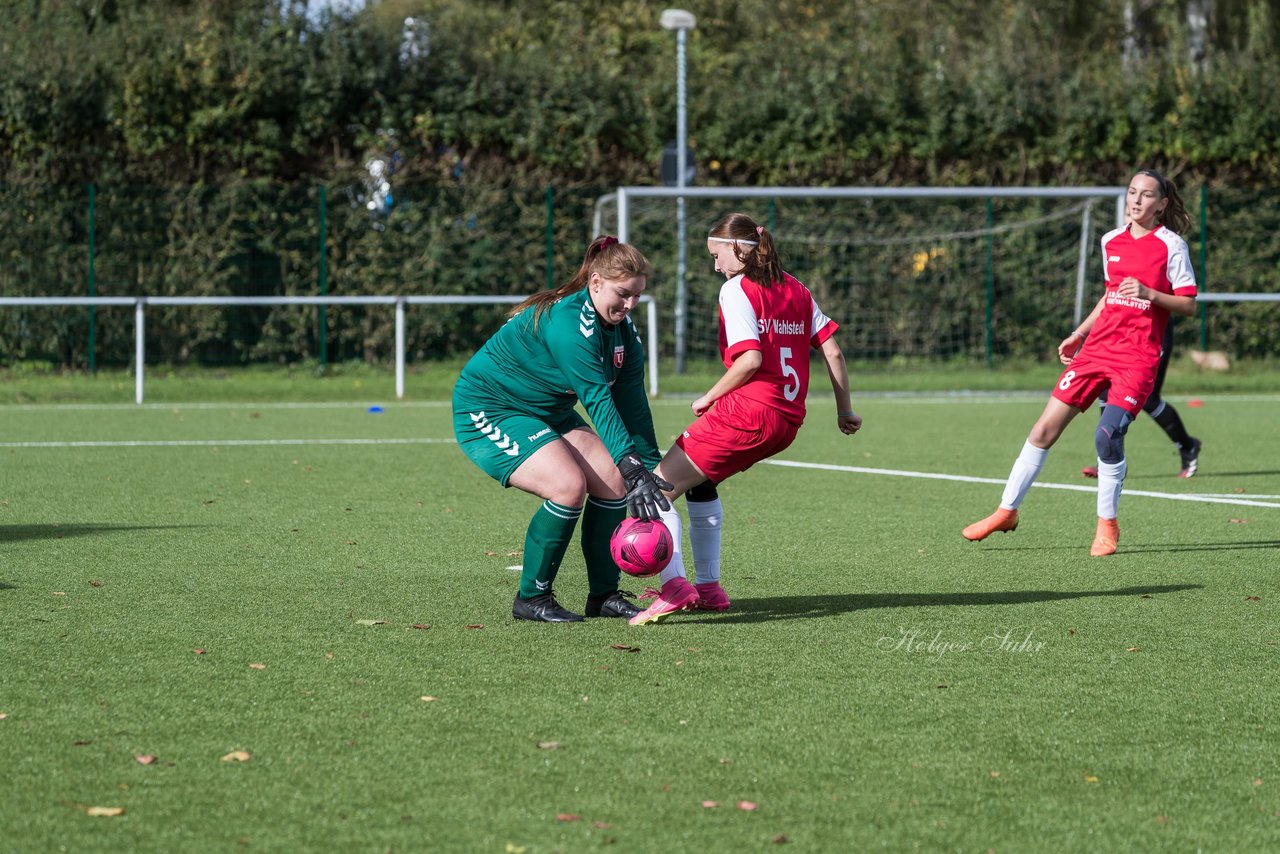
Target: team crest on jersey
<point>619,353</point>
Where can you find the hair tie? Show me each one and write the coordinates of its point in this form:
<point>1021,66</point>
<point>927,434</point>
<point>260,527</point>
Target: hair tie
<point>759,229</point>
<point>607,241</point>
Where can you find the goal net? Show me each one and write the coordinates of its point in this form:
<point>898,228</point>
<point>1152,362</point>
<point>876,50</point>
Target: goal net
<point>911,274</point>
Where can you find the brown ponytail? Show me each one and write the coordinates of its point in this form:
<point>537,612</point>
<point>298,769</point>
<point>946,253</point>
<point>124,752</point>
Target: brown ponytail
<point>606,256</point>
<point>753,246</point>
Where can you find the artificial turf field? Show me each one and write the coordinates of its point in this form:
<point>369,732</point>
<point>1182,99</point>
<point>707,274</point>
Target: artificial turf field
<point>327,591</point>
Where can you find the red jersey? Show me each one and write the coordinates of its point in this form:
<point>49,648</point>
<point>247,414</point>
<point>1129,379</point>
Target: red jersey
<point>1129,332</point>
<point>781,321</point>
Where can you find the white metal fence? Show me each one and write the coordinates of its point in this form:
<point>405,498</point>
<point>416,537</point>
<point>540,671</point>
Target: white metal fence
<point>400,302</point>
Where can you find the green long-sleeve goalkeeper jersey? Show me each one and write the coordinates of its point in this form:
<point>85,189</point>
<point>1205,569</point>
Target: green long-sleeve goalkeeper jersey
<point>543,369</point>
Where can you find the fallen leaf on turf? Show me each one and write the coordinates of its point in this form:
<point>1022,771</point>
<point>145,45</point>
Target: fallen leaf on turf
<point>420,626</point>
<point>747,806</point>
<point>3,715</point>
<point>603,825</point>
<point>622,647</point>
<point>780,839</point>
<point>475,625</point>
<point>548,745</point>
<point>257,665</point>
<point>1130,649</point>
<point>146,759</point>
<point>426,698</point>
<point>58,593</point>
<point>995,773</point>
<point>725,761</point>
<point>236,756</point>
<point>710,805</point>
<point>84,742</point>
<point>490,554</point>
<point>371,622</point>
<point>1089,778</point>
<point>512,848</point>
<point>105,812</point>
<point>198,651</point>
<point>1257,782</point>
<point>1238,521</point>
<point>95,583</point>
<point>1160,819</point>
<point>1253,598</point>
<point>513,554</point>
<point>568,816</point>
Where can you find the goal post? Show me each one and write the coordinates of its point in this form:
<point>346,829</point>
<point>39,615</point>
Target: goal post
<point>912,273</point>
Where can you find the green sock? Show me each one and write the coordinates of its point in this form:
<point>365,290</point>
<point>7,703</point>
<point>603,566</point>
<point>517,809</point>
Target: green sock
<point>599,519</point>
<point>546,541</point>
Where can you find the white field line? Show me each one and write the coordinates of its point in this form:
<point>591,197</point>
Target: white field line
<point>215,443</point>
<point>207,443</point>
<point>172,407</point>
<point>1171,496</point>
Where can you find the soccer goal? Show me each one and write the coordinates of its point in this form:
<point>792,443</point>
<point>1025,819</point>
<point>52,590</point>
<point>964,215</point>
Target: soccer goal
<point>912,274</point>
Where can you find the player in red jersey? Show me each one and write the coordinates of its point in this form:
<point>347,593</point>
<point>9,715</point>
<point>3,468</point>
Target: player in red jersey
<point>768,323</point>
<point>1148,274</point>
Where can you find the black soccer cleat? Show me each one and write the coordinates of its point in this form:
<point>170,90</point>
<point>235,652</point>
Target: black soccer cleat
<point>1190,459</point>
<point>613,604</point>
<point>543,609</point>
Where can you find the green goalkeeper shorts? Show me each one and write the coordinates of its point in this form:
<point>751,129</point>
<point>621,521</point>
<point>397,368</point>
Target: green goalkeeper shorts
<point>499,440</point>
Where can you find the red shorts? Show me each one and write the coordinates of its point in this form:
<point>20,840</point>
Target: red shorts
<point>735,434</point>
<point>1127,387</point>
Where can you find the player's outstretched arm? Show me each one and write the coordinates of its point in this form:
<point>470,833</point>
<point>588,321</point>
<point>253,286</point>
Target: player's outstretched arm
<point>847,420</point>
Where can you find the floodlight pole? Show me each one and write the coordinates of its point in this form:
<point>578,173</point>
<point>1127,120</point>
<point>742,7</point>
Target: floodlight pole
<point>680,21</point>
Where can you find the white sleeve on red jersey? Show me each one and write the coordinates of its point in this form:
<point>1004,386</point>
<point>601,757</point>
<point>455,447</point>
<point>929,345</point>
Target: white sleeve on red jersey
<point>1180,272</point>
<point>740,321</point>
<point>821,327</point>
<point>1106,238</point>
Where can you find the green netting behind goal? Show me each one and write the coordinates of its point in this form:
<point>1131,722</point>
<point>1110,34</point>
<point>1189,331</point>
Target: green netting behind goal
<point>909,279</point>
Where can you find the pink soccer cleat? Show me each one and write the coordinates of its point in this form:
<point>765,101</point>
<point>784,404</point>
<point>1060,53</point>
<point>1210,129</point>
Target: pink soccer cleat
<point>711,597</point>
<point>676,595</point>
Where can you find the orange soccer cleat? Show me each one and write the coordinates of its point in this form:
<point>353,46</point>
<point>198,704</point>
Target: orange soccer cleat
<point>1001,520</point>
<point>1107,538</point>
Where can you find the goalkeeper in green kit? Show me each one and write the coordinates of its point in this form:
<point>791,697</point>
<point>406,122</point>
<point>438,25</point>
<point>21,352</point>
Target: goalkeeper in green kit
<point>514,417</point>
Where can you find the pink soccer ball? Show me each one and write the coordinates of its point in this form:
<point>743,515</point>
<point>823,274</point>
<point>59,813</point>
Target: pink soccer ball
<point>641,547</point>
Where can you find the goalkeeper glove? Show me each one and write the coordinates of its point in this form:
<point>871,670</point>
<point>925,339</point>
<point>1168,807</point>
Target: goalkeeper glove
<point>644,489</point>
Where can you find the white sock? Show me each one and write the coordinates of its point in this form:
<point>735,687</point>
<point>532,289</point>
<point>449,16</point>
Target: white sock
<point>1110,480</point>
<point>1025,470</point>
<point>675,569</point>
<point>705,519</point>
